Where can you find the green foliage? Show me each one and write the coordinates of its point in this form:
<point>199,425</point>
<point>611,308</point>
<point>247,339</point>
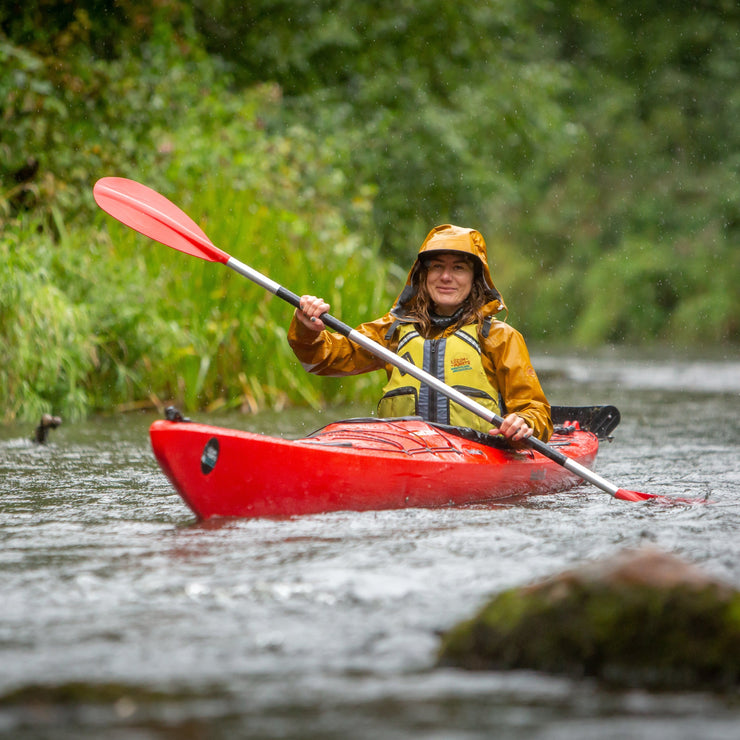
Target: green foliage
<point>139,324</point>
<point>595,145</point>
<point>230,348</point>
<point>45,337</point>
<point>443,97</point>
<point>103,318</point>
<point>69,114</point>
<point>565,131</point>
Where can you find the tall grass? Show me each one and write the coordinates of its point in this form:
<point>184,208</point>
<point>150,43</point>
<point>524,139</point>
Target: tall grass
<point>45,339</point>
<point>230,348</point>
<point>105,319</point>
<point>96,317</point>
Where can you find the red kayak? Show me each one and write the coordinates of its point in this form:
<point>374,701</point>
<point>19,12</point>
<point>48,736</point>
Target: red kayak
<point>361,464</point>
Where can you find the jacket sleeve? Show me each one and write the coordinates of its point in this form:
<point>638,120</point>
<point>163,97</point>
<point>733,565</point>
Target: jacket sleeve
<point>506,358</point>
<point>332,354</point>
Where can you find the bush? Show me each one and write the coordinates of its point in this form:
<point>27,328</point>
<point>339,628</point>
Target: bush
<point>594,149</point>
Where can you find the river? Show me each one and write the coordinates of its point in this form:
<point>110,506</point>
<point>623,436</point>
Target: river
<point>122,617</point>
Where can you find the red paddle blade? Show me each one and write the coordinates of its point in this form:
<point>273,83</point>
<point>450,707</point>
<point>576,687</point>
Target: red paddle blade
<point>626,495</point>
<point>153,215</point>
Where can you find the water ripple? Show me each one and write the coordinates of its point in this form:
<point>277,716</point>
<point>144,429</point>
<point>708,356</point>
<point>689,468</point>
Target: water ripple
<point>327,625</point>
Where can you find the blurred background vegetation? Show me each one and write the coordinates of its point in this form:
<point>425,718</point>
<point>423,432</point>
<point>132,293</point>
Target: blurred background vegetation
<point>596,145</point>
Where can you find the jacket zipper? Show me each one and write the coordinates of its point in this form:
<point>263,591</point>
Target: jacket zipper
<point>434,351</point>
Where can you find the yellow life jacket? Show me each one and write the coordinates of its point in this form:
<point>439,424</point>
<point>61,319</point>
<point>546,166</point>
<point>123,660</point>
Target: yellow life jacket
<point>455,360</point>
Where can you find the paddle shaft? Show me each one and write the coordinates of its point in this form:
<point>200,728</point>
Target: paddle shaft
<point>422,375</point>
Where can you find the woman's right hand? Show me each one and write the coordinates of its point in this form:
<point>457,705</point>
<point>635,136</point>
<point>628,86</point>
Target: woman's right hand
<point>310,310</point>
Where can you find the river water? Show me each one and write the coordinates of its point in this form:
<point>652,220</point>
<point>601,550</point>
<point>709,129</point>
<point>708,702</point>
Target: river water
<point>121,617</point>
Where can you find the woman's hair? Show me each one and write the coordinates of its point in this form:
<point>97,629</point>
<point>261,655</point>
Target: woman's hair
<point>423,306</point>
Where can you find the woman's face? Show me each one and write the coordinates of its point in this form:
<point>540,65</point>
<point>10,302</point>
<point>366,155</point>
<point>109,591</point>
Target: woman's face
<point>449,281</point>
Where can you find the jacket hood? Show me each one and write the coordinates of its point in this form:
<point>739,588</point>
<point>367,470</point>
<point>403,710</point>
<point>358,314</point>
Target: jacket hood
<point>449,238</point>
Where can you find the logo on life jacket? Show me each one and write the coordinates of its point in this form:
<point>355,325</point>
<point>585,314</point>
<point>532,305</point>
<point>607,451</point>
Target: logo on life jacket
<point>460,364</point>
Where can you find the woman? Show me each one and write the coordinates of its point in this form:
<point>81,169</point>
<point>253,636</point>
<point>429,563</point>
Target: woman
<point>444,321</point>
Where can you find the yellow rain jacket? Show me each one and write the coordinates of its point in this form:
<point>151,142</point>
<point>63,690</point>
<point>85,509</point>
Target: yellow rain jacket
<point>503,353</point>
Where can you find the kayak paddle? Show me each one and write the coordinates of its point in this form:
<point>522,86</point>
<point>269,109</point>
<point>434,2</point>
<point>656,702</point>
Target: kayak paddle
<point>153,215</point>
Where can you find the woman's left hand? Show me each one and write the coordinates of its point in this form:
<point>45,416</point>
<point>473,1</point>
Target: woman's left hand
<point>514,428</point>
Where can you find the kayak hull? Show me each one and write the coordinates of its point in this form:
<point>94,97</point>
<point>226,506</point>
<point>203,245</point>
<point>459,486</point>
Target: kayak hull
<point>354,465</point>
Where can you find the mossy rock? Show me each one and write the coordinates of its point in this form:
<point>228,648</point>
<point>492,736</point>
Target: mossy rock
<point>643,619</point>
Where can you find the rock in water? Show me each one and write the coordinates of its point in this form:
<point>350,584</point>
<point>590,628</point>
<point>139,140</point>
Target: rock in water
<point>642,619</point>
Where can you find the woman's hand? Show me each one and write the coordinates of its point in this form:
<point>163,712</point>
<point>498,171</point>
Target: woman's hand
<point>514,428</point>
<point>310,310</point>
